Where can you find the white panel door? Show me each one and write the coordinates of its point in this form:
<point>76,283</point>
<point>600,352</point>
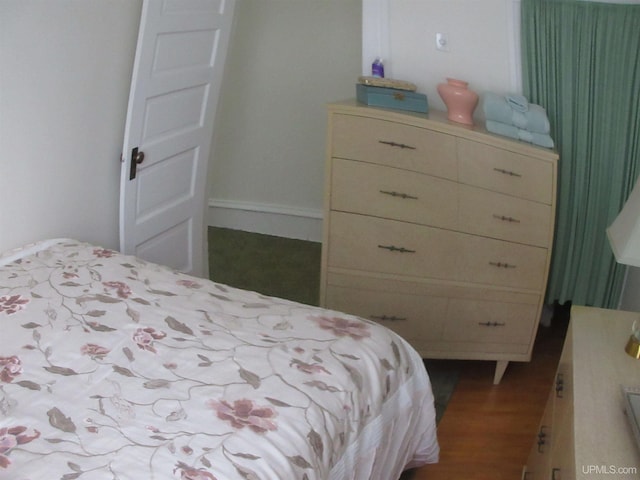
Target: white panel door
<point>175,85</point>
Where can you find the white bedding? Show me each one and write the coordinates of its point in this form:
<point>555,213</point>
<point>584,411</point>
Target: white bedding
<point>114,368</point>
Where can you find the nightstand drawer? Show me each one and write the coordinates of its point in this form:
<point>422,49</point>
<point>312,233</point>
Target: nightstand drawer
<point>504,217</point>
<point>387,192</point>
<point>505,172</point>
<point>393,144</point>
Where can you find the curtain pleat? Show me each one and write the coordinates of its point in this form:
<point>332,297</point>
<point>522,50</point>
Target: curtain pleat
<point>581,61</point>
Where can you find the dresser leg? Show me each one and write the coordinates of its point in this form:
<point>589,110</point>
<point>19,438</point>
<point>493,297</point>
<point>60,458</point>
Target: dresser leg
<point>501,366</point>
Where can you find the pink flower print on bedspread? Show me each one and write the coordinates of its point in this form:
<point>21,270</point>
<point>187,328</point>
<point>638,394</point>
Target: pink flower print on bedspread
<point>244,413</point>
<point>144,338</point>
<point>341,327</point>
<point>191,473</point>
<point>122,289</point>
<point>10,368</point>
<point>103,253</point>
<point>189,284</point>
<point>94,351</point>
<point>12,437</point>
<point>11,304</point>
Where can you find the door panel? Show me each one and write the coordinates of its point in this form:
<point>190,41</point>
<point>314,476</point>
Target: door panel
<point>168,184</point>
<point>176,81</point>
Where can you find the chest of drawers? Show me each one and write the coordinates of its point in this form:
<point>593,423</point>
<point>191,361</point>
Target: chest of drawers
<point>439,231</point>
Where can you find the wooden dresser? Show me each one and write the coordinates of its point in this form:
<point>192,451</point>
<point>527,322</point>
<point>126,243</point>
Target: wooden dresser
<point>439,231</point>
<point>584,432</point>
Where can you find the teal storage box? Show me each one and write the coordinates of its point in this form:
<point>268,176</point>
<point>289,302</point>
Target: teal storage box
<point>392,98</point>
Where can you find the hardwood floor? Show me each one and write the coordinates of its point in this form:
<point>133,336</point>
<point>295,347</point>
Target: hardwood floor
<point>487,430</point>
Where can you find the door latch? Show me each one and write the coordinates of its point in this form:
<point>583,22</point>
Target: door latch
<point>136,159</point>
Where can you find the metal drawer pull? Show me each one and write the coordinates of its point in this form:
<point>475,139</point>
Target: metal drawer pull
<point>553,473</point>
<point>507,172</point>
<point>388,318</point>
<point>506,219</point>
<point>541,439</point>
<point>492,324</point>
<point>394,144</point>
<point>393,248</point>
<point>502,265</point>
<point>401,195</point>
<point>559,385</point>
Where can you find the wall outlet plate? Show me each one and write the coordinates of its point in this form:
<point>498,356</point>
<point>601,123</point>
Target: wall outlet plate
<point>442,42</point>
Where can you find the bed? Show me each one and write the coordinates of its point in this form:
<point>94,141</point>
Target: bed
<point>115,368</point>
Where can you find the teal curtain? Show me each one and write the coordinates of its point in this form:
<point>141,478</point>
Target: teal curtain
<point>581,61</point>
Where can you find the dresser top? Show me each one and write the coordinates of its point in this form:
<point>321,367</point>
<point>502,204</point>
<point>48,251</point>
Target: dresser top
<point>603,436</point>
<point>437,120</point>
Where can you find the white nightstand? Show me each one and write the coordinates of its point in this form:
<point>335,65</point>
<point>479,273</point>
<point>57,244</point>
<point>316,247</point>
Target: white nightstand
<point>584,433</point>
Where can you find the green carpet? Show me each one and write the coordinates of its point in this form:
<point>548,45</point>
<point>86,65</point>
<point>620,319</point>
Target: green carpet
<point>274,266</point>
<point>290,269</point>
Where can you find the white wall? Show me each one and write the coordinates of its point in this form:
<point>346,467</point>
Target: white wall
<point>287,59</point>
<point>65,70</point>
<point>483,45</point>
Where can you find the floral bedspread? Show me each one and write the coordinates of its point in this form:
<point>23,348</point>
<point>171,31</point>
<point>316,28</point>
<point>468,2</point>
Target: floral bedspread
<point>114,368</point>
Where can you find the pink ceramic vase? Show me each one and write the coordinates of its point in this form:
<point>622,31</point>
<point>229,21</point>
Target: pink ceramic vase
<point>460,101</point>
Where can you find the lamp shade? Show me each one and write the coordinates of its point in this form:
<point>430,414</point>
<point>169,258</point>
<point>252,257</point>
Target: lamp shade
<point>624,232</point>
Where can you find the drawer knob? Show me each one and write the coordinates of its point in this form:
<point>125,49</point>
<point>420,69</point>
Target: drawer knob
<point>395,144</point>
<point>542,435</point>
<point>393,248</point>
<point>397,194</point>
<point>507,172</point>
<point>506,219</point>
<point>559,385</point>
<point>492,324</point>
<point>502,265</point>
<point>387,318</point>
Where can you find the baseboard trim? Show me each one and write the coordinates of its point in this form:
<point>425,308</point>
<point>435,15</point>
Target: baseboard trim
<point>269,219</point>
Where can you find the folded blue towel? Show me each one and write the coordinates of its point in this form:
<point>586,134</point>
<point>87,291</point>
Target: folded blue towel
<point>540,139</point>
<point>498,109</point>
<point>518,102</point>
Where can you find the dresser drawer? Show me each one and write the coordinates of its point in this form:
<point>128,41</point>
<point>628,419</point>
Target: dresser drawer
<point>431,316</point>
<point>500,263</point>
<point>505,172</point>
<point>489,322</point>
<point>387,192</point>
<point>372,244</point>
<point>413,317</point>
<point>394,144</point>
<point>500,216</point>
